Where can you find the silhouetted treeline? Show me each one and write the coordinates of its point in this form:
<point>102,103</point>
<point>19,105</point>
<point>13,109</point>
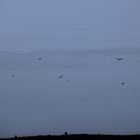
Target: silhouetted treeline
<point>78,137</point>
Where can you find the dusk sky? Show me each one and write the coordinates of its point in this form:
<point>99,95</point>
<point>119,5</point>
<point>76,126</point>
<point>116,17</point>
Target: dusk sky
<point>69,24</point>
<point>69,65</point>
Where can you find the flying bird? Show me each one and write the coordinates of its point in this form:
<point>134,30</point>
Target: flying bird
<point>13,75</point>
<point>39,58</point>
<point>119,59</point>
<point>61,76</point>
<point>122,83</point>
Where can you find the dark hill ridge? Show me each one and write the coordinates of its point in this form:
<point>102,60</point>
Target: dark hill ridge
<point>77,137</point>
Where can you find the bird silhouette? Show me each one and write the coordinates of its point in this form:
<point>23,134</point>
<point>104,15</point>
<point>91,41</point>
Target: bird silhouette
<point>39,58</point>
<point>61,76</point>
<point>122,83</point>
<point>119,59</point>
<point>13,75</point>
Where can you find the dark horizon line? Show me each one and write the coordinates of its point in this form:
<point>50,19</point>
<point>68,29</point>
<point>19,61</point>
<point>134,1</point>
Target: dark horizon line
<point>72,136</point>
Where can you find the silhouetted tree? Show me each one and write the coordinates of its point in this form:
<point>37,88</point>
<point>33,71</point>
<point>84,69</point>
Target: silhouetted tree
<point>66,133</point>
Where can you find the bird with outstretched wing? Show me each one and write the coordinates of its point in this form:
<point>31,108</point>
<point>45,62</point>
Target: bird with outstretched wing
<point>119,59</point>
<point>61,76</point>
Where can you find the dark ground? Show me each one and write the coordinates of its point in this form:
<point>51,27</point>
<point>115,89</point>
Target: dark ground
<point>78,137</point>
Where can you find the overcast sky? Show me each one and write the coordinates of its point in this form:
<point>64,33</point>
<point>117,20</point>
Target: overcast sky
<point>69,24</point>
<point>97,94</point>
